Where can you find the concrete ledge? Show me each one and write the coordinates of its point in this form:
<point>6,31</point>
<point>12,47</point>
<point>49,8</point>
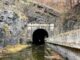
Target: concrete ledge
<point>67,53</point>
<point>70,39</point>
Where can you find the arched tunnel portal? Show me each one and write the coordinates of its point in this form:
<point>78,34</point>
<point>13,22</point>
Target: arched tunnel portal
<point>39,36</point>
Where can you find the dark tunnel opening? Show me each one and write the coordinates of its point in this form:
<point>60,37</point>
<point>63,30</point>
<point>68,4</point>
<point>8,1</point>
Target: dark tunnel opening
<point>39,36</point>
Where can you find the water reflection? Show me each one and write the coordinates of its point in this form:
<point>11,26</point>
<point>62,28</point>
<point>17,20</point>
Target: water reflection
<point>31,53</point>
<point>38,52</point>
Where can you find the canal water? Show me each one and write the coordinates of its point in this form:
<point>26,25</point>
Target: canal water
<point>41,52</point>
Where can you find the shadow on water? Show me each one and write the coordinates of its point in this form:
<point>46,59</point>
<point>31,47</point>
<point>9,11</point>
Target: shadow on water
<point>32,53</point>
<point>38,52</point>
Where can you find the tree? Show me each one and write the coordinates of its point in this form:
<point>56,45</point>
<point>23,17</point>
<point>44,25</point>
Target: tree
<point>77,1</point>
<point>71,4</point>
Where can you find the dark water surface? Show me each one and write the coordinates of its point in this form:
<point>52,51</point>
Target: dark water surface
<point>38,52</point>
<point>32,53</point>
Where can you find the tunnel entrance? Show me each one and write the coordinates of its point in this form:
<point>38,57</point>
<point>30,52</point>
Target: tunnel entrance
<point>39,36</point>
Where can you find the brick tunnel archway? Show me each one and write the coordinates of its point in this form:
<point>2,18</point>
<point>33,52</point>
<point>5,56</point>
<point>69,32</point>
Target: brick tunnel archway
<point>39,36</point>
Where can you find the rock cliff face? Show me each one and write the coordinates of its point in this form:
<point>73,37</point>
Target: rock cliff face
<point>72,19</point>
<point>15,15</point>
<point>59,5</point>
<point>11,26</point>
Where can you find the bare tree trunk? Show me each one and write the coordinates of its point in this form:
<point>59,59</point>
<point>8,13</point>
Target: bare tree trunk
<point>77,1</point>
<point>71,4</point>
